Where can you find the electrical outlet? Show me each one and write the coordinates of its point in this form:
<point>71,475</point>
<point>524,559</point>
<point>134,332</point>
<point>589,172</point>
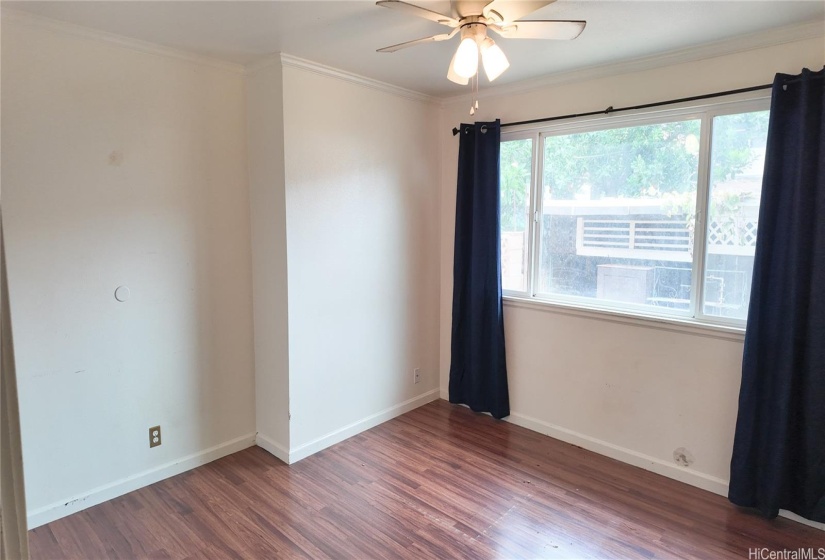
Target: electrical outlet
<point>416,375</point>
<point>154,436</point>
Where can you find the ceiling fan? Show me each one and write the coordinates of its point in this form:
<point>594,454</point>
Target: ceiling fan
<point>472,19</point>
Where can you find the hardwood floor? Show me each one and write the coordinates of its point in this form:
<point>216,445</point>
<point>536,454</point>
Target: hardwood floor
<point>440,482</point>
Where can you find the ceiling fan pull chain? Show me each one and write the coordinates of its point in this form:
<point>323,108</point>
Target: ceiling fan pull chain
<point>475,105</point>
<point>472,95</point>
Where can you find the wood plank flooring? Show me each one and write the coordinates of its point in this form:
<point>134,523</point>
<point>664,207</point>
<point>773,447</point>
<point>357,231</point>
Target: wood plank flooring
<point>438,482</point>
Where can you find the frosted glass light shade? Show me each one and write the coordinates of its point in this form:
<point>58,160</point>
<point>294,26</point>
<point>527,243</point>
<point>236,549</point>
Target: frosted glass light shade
<point>453,77</point>
<point>495,63</point>
<point>465,62</point>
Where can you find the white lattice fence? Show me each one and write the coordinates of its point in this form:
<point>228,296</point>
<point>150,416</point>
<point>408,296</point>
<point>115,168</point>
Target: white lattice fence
<point>729,238</point>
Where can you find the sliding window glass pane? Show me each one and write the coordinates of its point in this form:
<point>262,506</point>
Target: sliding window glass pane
<point>737,159</point>
<point>618,210</point>
<point>516,175</point>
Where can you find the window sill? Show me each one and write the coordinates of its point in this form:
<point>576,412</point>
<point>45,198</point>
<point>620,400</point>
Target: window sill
<point>673,324</point>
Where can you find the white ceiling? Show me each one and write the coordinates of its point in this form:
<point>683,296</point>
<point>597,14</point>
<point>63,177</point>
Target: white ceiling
<point>345,34</point>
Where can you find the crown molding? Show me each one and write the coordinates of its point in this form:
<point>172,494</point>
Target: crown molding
<point>741,43</point>
<point>261,63</point>
<point>66,28</point>
<point>323,70</point>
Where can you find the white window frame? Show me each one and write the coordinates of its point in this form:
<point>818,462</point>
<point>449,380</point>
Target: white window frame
<point>694,316</point>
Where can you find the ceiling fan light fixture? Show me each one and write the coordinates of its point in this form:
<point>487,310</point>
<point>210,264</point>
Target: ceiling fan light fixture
<point>493,59</point>
<point>473,19</point>
<point>465,61</point>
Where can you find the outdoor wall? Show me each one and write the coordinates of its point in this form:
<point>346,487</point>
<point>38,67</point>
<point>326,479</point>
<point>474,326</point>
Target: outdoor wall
<point>123,168</point>
<point>362,206</point>
<point>636,391</point>
<point>267,197</point>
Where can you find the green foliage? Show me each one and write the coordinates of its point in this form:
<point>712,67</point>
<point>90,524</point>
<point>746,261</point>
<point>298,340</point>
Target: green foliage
<point>725,209</point>
<point>623,162</point>
<point>516,171</point>
<point>650,161</point>
<point>734,136</point>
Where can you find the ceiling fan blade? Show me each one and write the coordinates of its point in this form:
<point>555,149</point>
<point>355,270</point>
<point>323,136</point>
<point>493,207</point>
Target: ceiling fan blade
<point>511,10</point>
<point>555,29</point>
<point>399,46</point>
<point>419,11</point>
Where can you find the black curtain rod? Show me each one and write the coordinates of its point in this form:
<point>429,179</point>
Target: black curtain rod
<point>611,109</point>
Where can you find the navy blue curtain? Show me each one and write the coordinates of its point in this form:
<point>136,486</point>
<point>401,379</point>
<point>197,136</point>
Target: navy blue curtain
<point>779,449</point>
<point>478,373</point>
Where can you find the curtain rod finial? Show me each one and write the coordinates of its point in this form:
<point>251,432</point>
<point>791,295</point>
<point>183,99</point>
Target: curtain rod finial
<point>455,131</point>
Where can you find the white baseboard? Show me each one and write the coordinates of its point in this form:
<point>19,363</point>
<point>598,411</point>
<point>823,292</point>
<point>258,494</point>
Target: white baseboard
<point>49,513</point>
<point>55,511</point>
<point>794,517</point>
<point>316,445</point>
<point>647,462</point>
<point>272,446</point>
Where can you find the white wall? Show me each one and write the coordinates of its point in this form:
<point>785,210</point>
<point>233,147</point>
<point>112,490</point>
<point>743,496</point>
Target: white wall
<point>265,127</point>
<point>124,165</point>
<point>633,392</point>
<point>362,193</point>
<point>123,168</point>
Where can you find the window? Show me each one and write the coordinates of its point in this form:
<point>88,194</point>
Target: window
<point>652,214</point>
<point>516,170</point>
